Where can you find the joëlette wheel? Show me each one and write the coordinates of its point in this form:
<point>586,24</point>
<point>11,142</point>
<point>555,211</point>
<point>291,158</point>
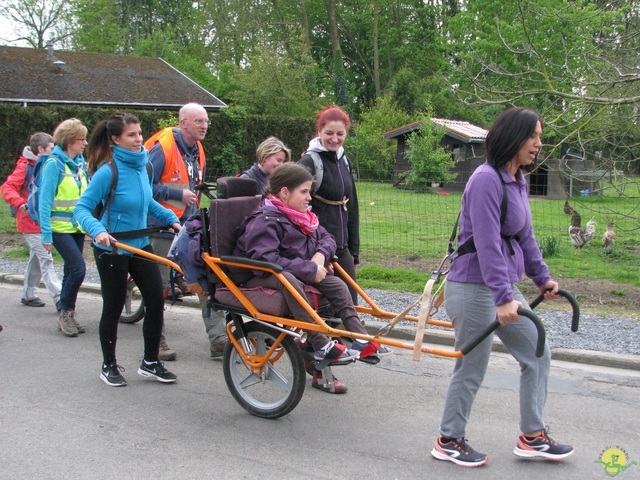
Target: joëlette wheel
<point>278,387</point>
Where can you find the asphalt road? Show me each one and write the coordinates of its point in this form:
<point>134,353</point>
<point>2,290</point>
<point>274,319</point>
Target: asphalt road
<point>59,421</point>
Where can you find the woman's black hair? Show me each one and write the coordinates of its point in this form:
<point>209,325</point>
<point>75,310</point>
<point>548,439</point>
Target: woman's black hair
<point>508,133</point>
<point>289,175</point>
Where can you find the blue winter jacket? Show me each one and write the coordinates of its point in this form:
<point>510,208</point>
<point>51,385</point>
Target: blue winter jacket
<point>132,202</point>
<point>49,186</point>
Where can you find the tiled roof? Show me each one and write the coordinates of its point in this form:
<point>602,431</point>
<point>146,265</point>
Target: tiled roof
<point>461,130</point>
<point>39,76</point>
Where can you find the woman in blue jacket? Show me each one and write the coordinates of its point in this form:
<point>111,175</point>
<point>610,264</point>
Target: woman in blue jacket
<point>119,139</point>
<point>63,180</point>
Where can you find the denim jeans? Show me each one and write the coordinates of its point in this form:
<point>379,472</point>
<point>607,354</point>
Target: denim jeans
<point>69,246</point>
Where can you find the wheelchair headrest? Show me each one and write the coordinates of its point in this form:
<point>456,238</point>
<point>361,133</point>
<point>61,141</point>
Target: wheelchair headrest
<point>230,187</point>
<point>225,215</point>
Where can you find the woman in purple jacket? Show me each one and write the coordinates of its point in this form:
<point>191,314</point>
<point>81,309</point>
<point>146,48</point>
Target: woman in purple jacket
<point>481,286</point>
<point>285,231</point>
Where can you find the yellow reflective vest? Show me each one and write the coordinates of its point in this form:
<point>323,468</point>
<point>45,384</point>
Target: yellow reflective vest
<point>67,195</point>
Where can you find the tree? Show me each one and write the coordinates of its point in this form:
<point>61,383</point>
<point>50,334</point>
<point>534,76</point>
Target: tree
<point>277,85</point>
<point>37,22</point>
<point>430,162</point>
<point>372,155</point>
<point>575,62</point>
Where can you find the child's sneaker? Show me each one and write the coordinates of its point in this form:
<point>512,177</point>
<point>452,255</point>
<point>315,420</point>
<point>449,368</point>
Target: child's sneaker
<point>370,349</point>
<point>156,370</point>
<point>333,352</point>
<point>541,447</point>
<point>110,374</point>
<point>459,452</point>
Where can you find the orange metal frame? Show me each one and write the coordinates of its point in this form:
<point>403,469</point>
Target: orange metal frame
<point>256,362</point>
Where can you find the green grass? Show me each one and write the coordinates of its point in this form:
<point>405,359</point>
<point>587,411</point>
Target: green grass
<point>7,222</point>
<point>404,235</point>
<point>403,231</point>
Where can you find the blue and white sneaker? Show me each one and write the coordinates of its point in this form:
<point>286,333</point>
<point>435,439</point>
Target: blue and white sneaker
<point>459,452</point>
<point>370,349</point>
<point>542,447</point>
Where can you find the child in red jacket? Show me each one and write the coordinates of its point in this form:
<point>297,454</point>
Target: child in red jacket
<point>15,191</point>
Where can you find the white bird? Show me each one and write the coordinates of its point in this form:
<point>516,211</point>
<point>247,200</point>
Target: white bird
<point>609,237</point>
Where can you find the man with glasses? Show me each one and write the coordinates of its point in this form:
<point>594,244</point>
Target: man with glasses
<point>178,161</point>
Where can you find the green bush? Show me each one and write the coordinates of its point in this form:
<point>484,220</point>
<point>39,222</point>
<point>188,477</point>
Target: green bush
<point>549,246</point>
<point>430,162</point>
<point>230,144</point>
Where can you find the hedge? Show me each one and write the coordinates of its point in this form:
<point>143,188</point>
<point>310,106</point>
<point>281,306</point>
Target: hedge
<point>230,143</point>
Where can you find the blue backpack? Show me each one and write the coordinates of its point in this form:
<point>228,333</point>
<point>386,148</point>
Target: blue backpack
<point>28,176</point>
<point>33,199</point>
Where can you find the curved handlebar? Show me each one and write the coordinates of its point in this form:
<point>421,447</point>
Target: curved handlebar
<point>575,320</point>
<point>522,312</point>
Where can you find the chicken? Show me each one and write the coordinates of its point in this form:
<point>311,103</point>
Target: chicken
<point>568,209</point>
<point>581,236</point>
<point>609,237</point>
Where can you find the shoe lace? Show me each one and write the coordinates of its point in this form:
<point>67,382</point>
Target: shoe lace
<point>114,368</point>
<point>544,435</point>
<point>462,445</point>
<point>327,348</point>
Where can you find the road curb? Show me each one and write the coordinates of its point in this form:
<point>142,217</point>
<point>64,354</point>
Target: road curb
<point>438,337</point>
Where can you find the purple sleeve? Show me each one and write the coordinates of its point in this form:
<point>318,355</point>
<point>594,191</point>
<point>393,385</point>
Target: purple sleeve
<point>484,197</point>
<point>326,243</point>
<point>261,241</point>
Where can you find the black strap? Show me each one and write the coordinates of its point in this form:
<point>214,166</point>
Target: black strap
<point>143,232</point>
<point>469,246</point>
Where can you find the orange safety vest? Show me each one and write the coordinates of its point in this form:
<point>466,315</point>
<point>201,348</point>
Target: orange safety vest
<point>174,175</point>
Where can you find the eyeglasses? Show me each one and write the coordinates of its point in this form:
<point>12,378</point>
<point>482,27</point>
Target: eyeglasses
<point>200,121</point>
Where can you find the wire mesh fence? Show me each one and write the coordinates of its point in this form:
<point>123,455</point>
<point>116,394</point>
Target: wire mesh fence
<point>400,228</point>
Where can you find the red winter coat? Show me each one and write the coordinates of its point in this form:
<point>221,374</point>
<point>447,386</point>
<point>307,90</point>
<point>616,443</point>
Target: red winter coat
<point>13,192</point>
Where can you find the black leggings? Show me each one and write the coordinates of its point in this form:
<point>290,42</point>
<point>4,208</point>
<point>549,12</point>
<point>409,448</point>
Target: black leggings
<point>114,270</point>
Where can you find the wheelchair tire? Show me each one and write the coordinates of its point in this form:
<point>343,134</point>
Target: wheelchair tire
<point>279,387</point>
<point>133,310</point>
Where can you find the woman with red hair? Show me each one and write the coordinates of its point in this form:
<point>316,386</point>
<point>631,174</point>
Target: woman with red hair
<point>335,200</point>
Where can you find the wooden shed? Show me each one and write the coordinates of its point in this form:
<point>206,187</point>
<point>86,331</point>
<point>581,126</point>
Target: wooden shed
<point>572,175</point>
<point>464,140</point>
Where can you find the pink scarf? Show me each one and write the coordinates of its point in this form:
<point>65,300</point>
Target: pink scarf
<point>308,221</point>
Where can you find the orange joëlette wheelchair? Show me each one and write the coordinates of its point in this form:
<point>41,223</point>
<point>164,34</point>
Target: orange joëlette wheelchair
<point>263,364</point>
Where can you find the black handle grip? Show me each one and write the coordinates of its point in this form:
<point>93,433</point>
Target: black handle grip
<point>575,320</point>
<point>522,312</point>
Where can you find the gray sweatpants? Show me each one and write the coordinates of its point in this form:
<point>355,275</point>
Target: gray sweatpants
<point>471,308</point>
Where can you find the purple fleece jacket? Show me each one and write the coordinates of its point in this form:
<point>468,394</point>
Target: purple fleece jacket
<point>492,264</point>
<point>270,236</point>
